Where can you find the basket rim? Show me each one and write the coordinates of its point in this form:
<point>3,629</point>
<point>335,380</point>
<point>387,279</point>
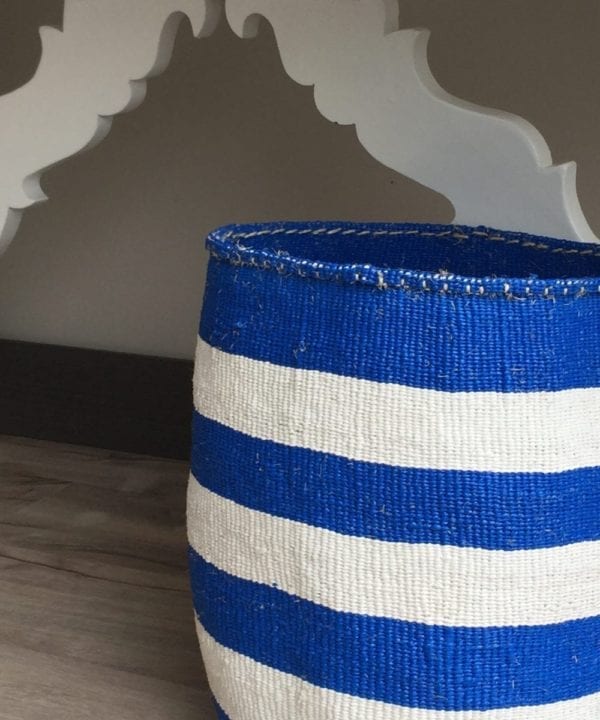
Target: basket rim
<point>233,244</point>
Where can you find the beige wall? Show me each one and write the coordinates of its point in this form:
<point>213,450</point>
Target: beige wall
<point>115,259</point>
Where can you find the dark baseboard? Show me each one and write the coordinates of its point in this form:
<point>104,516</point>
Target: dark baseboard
<point>130,403</point>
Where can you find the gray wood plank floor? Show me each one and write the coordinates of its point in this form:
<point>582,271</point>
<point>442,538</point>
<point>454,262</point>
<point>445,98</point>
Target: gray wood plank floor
<point>95,612</point>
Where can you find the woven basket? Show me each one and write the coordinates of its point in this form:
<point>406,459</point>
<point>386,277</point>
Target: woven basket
<point>394,507</point>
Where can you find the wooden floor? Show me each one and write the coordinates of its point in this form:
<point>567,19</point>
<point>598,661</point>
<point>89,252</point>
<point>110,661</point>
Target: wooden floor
<point>96,619</point>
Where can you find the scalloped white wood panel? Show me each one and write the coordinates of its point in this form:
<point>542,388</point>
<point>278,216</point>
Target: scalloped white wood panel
<point>93,69</point>
<point>495,168</point>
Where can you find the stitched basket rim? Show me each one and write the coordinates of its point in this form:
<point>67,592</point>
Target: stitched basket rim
<point>233,244</point>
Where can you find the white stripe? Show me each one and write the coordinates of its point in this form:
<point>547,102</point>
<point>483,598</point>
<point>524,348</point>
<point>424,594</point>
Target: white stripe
<point>397,425</point>
<point>247,690</point>
<point>424,583</point>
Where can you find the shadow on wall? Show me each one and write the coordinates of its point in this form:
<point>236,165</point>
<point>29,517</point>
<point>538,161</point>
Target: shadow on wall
<point>115,259</point>
<point>20,45</point>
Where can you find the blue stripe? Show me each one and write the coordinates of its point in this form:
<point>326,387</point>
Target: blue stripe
<point>402,663</point>
<point>422,340</point>
<point>466,509</point>
<point>448,257</point>
<point>220,712</point>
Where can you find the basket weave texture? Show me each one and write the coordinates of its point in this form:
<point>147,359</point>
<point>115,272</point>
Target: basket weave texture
<point>394,500</point>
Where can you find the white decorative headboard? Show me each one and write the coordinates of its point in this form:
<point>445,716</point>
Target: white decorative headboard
<point>495,168</point>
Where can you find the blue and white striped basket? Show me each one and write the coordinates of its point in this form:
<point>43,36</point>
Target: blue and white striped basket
<point>394,507</point>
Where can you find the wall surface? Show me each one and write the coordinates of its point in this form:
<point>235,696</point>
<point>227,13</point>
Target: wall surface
<point>115,259</point>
